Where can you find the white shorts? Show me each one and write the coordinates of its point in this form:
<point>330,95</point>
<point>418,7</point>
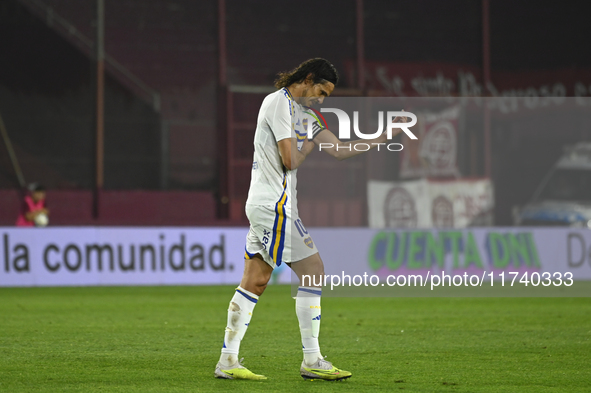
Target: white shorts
<point>276,235</point>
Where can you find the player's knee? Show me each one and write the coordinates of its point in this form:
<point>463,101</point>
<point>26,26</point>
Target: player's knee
<point>260,288</point>
<point>255,286</point>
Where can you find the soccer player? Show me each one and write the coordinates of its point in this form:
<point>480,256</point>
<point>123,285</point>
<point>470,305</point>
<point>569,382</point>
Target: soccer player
<point>280,147</point>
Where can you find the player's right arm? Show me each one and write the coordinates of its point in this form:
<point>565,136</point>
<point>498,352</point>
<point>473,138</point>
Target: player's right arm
<point>279,119</point>
<point>290,155</point>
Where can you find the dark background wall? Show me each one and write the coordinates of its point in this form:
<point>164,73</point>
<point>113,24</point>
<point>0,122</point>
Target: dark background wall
<point>47,103</point>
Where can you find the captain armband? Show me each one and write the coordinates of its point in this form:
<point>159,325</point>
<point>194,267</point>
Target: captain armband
<point>316,129</point>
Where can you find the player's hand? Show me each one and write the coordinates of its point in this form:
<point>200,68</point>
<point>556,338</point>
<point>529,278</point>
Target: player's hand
<point>400,119</point>
<point>308,147</point>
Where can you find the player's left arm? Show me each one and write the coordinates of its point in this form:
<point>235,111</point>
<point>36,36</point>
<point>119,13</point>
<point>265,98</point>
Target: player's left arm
<point>329,143</point>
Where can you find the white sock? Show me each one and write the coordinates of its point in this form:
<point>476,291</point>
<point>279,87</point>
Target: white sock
<point>308,312</point>
<point>239,314</point>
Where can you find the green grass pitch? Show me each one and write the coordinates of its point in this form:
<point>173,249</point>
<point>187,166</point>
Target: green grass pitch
<point>167,339</point>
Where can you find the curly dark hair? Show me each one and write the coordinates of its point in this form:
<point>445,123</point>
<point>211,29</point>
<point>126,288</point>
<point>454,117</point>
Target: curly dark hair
<point>321,69</point>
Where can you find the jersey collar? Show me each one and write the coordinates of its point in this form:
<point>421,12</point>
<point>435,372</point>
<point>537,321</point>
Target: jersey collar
<point>288,93</point>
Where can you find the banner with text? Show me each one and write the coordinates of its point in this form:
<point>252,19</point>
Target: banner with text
<point>514,261</point>
<point>121,256</point>
<point>430,203</point>
<point>176,256</point>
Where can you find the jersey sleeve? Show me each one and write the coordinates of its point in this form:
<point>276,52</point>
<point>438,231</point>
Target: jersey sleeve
<point>279,118</point>
<point>315,121</point>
